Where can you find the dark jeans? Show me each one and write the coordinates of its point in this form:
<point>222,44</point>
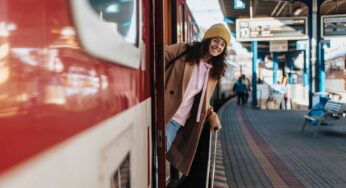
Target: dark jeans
<point>241,98</point>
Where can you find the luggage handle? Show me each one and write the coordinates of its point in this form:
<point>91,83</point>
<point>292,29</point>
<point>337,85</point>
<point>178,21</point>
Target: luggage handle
<point>211,161</point>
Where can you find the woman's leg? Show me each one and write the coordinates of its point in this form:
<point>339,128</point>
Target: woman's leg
<point>171,131</point>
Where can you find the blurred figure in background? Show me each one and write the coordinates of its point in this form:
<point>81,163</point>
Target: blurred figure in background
<point>285,96</point>
<point>246,81</point>
<point>270,103</point>
<point>284,79</point>
<point>241,91</point>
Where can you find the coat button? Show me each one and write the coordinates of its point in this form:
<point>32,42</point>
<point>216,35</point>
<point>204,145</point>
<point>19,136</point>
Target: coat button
<point>171,92</point>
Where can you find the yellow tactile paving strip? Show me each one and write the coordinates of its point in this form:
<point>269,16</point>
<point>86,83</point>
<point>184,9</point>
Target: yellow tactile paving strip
<point>267,167</point>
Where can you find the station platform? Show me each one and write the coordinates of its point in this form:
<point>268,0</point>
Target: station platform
<point>265,148</point>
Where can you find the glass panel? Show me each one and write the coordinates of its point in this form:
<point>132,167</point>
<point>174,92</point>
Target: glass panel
<point>121,177</point>
<point>190,32</point>
<point>120,16</point>
<point>181,23</point>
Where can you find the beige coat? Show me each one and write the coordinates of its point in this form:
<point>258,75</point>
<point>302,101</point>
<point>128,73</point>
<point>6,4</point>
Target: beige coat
<point>177,77</point>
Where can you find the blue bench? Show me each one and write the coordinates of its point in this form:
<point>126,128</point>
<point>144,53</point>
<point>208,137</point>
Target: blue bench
<point>333,110</point>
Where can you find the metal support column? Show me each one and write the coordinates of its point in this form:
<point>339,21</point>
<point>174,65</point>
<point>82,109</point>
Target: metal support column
<point>290,66</point>
<point>312,45</point>
<point>319,82</point>
<point>320,73</point>
<point>305,73</point>
<point>321,70</point>
<point>254,73</point>
<point>313,6</point>
<point>275,67</point>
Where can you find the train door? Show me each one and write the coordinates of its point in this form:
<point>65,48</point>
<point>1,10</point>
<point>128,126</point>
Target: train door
<point>170,28</point>
<point>166,29</point>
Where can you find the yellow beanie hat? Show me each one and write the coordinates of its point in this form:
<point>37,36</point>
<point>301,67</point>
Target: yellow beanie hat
<point>218,30</point>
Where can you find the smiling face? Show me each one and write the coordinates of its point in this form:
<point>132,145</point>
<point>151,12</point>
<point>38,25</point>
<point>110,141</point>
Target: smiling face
<point>217,46</point>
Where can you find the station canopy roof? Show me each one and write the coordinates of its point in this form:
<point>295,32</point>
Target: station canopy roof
<point>276,8</point>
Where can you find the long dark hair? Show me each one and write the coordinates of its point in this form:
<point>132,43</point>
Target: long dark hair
<point>197,50</point>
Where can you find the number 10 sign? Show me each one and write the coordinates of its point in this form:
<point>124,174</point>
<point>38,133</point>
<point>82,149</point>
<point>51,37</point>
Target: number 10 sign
<point>267,29</point>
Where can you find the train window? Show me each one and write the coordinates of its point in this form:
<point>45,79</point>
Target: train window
<point>190,32</point>
<point>109,29</point>
<point>121,177</point>
<point>196,34</point>
<point>181,23</point>
<point>120,16</point>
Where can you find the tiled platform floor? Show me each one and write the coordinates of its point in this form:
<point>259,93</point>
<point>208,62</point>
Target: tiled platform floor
<point>265,148</point>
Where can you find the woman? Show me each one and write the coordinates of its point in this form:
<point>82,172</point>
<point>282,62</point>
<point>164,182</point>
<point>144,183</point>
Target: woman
<point>192,72</point>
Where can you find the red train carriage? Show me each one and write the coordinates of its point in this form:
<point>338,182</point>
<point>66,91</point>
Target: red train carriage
<point>76,74</point>
<point>76,88</point>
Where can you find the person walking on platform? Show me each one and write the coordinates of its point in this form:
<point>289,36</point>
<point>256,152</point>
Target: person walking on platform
<point>284,101</point>
<point>241,91</point>
<point>246,81</point>
<point>191,74</point>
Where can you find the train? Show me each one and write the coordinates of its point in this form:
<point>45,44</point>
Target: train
<point>80,90</point>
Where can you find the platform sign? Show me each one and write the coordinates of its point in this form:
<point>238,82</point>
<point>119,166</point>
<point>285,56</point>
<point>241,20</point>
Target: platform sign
<point>333,26</point>
<point>239,4</point>
<point>267,29</point>
<point>278,46</point>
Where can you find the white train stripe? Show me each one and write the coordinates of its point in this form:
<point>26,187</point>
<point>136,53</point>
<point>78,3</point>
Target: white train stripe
<point>89,159</point>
